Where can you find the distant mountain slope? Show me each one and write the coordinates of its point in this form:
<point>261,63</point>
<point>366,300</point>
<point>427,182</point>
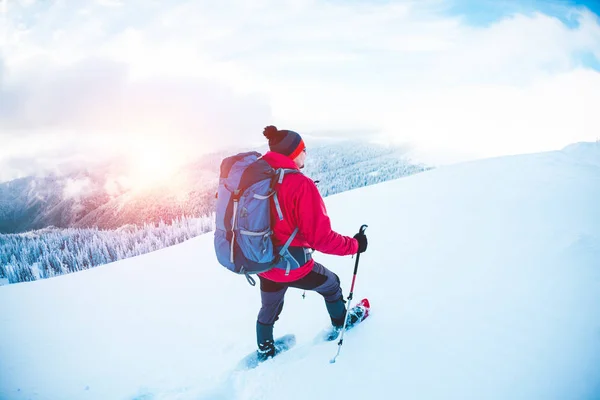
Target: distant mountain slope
<point>349,165</point>
<point>98,198</point>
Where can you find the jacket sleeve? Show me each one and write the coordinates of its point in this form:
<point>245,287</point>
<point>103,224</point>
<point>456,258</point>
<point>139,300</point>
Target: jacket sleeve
<point>315,225</point>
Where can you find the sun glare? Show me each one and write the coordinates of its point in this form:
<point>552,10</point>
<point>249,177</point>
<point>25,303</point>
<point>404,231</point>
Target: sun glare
<point>153,165</point>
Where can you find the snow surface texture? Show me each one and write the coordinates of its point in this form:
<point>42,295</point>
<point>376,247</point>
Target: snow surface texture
<point>484,280</point>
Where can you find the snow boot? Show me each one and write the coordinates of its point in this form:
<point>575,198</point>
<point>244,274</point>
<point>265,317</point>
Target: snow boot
<point>266,344</point>
<point>337,311</point>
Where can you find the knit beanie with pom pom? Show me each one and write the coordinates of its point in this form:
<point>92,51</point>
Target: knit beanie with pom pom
<point>288,143</point>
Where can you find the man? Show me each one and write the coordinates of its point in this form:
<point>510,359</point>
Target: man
<point>302,206</point>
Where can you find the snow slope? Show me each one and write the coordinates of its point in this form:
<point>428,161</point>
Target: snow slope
<point>484,279</point>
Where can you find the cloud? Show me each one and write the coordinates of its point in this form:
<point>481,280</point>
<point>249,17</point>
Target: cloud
<point>486,121</point>
<point>110,3</point>
<point>200,74</point>
<point>94,98</point>
<point>95,95</point>
<point>43,152</point>
<point>50,97</point>
<point>76,188</point>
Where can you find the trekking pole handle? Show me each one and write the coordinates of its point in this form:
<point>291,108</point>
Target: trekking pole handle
<point>362,232</point>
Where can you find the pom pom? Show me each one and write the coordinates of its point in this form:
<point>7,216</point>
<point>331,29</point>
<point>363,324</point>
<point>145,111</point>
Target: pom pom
<point>270,132</point>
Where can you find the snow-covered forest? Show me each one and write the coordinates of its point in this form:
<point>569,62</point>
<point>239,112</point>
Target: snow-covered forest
<point>353,164</point>
<point>50,251</point>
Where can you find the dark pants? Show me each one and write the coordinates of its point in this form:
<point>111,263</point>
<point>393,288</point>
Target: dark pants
<point>320,280</point>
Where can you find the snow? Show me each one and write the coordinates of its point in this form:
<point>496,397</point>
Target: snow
<point>484,281</point>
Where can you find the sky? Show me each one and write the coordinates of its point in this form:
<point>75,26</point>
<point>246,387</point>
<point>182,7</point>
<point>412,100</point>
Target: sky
<point>81,81</point>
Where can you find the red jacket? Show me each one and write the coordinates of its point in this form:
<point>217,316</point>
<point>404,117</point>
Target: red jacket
<point>302,206</point>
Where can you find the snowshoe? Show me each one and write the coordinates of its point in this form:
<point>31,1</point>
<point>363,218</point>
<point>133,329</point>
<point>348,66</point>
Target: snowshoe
<point>356,315</point>
<point>280,345</point>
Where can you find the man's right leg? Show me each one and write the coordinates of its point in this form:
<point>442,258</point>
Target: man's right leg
<point>327,284</point>
<point>272,295</point>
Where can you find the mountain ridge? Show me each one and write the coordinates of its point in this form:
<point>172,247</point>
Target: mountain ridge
<point>100,197</point>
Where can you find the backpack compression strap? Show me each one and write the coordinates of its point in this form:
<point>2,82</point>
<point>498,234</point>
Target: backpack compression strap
<point>289,241</point>
<point>279,255</point>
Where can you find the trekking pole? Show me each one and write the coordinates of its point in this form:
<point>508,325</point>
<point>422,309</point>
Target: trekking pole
<point>362,230</point>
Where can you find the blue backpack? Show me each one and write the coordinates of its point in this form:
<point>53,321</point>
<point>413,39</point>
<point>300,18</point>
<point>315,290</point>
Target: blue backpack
<point>243,234</point>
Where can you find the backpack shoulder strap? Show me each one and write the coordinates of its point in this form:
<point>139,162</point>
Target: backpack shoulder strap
<point>281,172</point>
<point>279,175</point>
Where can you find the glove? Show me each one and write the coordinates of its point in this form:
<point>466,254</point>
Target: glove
<point>362,242</point>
